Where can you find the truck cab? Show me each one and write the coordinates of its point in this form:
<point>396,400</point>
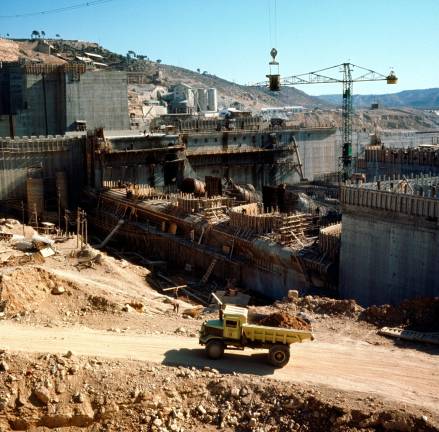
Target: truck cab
<point>234,317</point>
<point>229,326</point>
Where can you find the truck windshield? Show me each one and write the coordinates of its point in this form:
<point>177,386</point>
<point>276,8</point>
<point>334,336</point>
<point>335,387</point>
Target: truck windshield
<point>232,324</point>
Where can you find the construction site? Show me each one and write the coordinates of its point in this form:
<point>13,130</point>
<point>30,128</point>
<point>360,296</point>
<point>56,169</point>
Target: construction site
<point>125,232</point>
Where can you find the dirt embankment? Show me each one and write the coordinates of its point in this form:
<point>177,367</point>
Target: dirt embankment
<point>55,391</point>
<point>52,301</point>
<point>67,289</point>
<point>417,314</point>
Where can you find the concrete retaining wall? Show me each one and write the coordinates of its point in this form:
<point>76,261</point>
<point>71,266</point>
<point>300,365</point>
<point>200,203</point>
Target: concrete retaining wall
<point>52,154</point>
<point>389,246</point>
<point>386,261</point>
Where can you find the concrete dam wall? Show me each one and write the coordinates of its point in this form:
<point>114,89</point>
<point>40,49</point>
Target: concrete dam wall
<point>47,154</point>
<point>389,246</point>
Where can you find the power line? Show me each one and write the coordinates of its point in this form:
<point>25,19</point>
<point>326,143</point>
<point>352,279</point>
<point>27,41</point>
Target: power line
<point>58,10</point>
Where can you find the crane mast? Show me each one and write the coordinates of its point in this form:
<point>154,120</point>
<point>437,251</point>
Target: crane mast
<point>347,113</point>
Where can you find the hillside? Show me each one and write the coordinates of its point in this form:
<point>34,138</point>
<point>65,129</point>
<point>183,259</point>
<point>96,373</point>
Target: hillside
<point>228,92</point>
<point>367,119</point>
<point>158,77</point>
<point>252,98</point>
<point>419,99</point>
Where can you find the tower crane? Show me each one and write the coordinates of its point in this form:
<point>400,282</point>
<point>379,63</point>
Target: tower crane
<point>324,76</point>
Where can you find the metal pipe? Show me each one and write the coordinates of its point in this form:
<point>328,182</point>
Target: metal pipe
<point>113,231</point>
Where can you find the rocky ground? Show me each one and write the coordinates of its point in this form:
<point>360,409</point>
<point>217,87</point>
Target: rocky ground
<point>53,391</point>
<point>61,290</point>
<point>73,392</point>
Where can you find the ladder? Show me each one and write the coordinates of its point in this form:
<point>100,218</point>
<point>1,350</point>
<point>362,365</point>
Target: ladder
<point>209,271</point>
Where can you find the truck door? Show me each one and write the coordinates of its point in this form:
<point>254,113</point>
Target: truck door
<point>231,329</point>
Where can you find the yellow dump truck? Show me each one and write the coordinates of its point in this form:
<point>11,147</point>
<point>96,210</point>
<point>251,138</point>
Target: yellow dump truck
<point>232,330</point>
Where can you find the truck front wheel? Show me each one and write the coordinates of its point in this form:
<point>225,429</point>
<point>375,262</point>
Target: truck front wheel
<point>279,355</point>
<point>215,349</point>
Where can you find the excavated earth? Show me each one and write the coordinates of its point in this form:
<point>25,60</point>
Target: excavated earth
<point>117,390</point>
<point>65,391</point>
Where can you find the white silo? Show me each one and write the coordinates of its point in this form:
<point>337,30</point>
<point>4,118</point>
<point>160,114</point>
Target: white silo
<point>190,97</point>
<point>212,100</point>
<point>202,99</point>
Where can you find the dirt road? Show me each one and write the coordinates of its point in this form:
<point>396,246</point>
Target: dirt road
<point>406,376</point>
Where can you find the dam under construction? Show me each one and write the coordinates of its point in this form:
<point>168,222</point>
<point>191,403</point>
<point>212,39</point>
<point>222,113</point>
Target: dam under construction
<point>235,200</point>
<point>210,241</point>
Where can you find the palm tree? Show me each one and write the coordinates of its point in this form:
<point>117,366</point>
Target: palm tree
<point>158,61</point>
<point>35,34</point>
<point>58,35</point>
<point>43,33</point>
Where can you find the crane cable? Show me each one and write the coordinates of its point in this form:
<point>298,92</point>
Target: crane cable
<point>272,23</point>
<point>270,36</point>
<point>275,23</point>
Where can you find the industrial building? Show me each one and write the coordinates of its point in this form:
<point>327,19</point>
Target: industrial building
<point>183,99</point>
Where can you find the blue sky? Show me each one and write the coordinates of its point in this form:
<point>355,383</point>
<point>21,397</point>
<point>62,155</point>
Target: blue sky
<point>232,38</point>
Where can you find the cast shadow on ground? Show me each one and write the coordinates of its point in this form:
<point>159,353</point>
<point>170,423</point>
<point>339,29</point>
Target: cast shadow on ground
<point>418,346</point>
<point>255,363</point>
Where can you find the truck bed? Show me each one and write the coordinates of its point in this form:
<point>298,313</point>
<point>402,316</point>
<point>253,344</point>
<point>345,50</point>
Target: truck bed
<point>265,334</point>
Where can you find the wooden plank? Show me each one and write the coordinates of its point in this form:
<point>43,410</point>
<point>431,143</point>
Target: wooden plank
<point>174,288</point>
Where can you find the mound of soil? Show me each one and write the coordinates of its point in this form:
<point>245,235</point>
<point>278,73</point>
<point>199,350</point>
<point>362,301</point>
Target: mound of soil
<point>329,306</point>
<point>418,314</point>
<point>282,320</point>
<point>29,288</point>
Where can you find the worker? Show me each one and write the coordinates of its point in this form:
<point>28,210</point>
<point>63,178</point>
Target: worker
<point>176,306</point>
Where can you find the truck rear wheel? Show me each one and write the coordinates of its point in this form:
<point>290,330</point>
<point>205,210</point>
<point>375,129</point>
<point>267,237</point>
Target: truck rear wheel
<point>279,355</point>
<point>215,349</point>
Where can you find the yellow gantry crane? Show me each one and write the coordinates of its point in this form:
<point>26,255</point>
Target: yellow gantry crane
<point>323,76</point>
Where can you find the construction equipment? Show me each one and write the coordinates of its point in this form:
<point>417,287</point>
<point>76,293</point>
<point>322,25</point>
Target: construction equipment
<point>232,330</point>
<point>320,77</point>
